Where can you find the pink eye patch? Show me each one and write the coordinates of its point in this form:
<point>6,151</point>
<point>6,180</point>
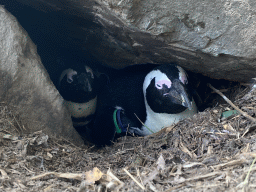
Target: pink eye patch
<point>159,84</point>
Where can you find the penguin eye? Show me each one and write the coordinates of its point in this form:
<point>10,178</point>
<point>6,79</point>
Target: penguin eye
<point>159,86</point>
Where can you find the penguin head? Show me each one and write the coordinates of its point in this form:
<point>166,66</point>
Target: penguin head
<point>166,90</point>
<point>77,85</point>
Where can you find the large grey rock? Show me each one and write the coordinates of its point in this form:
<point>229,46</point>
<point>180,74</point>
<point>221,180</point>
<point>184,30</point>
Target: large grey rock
<point>215,38</point>
<point>25,85</point>
<point>215,27</point>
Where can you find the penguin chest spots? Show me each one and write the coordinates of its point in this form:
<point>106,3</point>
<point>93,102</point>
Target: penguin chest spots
<point>81,110</point>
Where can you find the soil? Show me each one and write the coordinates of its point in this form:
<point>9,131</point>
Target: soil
<point>204,153</point>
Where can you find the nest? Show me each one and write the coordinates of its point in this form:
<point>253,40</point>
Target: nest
<point>207,152</point>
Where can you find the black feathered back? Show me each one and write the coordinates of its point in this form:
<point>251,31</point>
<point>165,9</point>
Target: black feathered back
<point>125,91</point>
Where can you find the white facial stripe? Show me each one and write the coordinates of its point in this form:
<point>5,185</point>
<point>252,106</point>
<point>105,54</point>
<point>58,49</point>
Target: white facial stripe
<point>182,75</point>
<point>66,72</point>
<point>89,70</point>
<point>70,76</point>
<point>160,79</point>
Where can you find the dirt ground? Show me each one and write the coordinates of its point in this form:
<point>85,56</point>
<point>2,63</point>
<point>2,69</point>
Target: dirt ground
<point>205,153</point>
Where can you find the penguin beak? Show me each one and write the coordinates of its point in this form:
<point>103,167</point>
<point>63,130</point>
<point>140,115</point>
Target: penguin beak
<point>181,95</point>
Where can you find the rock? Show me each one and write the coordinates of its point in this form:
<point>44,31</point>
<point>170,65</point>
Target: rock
<point>215,38</point>
<point>25,85</point>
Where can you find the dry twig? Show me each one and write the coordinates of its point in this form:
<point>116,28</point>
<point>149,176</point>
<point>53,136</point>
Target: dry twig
<point>135,180</point>
<point>77,176</point>
<point>246,180</point>
<point>230,163</point>
<point>230,102</point>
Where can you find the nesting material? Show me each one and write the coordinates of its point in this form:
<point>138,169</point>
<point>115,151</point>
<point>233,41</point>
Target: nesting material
<point>207,152</point>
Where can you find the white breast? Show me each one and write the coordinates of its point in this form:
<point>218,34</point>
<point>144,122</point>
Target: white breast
<point>78,110</point>
<point>157,121</point>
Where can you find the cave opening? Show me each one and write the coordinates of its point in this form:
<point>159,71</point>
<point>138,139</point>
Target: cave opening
<point>62,44</point>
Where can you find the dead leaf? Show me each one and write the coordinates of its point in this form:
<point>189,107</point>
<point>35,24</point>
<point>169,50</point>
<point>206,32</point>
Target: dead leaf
<point>4,174</point>
<point>151,176</point>
<point>160,163</point>
<point>94,175</point>
<point>185,150</point>
<point>8,136</point>
<point>229,128</point>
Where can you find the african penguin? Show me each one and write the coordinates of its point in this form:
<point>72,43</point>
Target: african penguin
<point>167,98</point>
<point>157,98</point>
<point>77,87</point>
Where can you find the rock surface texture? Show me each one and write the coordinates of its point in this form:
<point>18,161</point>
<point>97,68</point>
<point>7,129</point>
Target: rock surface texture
<point>25,85</point>
<point>215,38</point>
